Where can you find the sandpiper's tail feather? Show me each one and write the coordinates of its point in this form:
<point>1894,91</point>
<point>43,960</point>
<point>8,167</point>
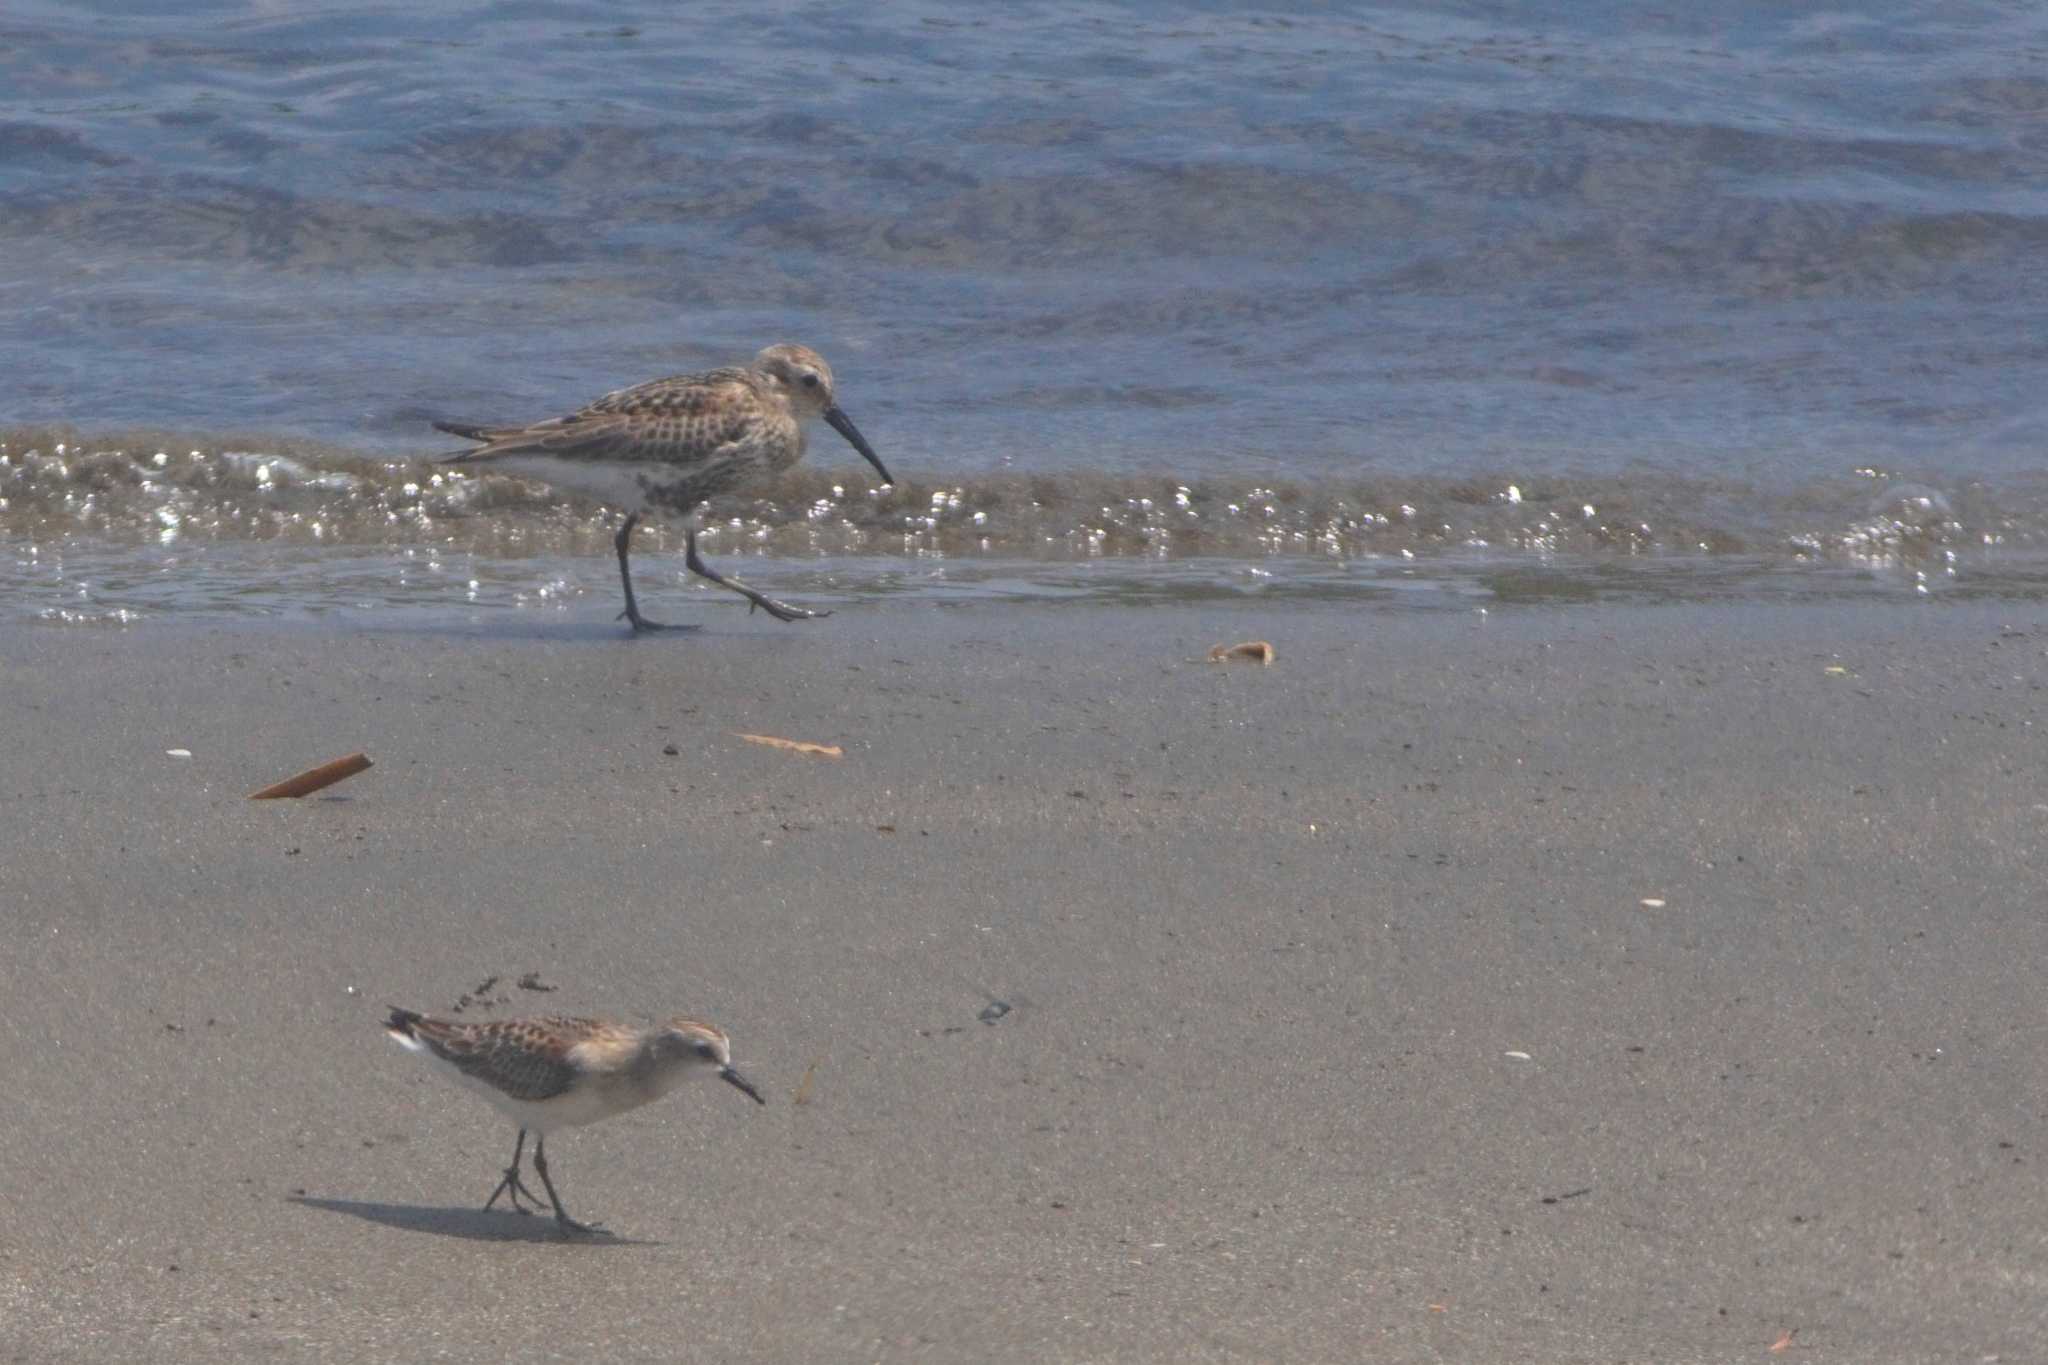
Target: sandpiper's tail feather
<point>496,441</point>
<point>571,434</point>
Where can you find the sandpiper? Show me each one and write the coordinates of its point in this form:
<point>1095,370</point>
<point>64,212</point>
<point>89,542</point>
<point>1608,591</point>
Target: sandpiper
<point>669,444</point>
<point>553,1072</point>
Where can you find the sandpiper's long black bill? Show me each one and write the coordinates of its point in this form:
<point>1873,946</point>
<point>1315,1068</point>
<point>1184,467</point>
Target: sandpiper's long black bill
<point>843,424</point>
<point>739,1082</point>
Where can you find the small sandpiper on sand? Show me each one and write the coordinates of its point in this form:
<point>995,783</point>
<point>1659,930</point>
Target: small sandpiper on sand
<point>552,1072</point>
<point>668,444</point>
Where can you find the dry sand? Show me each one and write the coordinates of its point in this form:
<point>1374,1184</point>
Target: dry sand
<point>1272,943</point>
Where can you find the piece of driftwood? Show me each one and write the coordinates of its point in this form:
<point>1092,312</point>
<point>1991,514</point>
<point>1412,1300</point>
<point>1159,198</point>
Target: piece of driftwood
<point>1251,651</point>
<point>313,779</point>
<point>796,746</point>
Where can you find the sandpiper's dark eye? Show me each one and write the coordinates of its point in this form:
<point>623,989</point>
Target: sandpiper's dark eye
<point>810,381</point>
<point>707,1052</point>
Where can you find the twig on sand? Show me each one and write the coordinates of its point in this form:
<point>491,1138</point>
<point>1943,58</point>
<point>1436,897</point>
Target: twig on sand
<point>313,779</point>
<point>796,746</point>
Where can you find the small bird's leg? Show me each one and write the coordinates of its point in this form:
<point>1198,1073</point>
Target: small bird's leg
<point>512,1185</point>
<point>781,611</point>
<point>632,611</point>
<point>540,1163</point>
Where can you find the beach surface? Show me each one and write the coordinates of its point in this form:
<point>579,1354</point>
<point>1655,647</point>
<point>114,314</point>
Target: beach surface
<point>1561,983</point>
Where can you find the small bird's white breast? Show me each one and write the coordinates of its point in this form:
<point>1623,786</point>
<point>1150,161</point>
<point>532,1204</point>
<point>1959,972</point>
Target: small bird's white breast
<point>594,1095</point>
<point>621,484</point>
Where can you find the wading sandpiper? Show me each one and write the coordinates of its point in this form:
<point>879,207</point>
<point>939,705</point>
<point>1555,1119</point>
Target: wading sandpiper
<point>668,444</point>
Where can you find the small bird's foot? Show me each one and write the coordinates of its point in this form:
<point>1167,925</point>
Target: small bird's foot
<point>566,1225</point>
<point>512,1187</point>
<point>781,611</point>
<point>641,625</point>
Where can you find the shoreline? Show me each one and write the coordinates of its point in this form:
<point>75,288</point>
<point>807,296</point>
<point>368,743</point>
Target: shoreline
<point>1271,938</point>
<point>129,507</point>
<point>431,591</point>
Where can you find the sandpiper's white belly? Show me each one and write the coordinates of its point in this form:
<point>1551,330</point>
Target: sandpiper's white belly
<point>590,1099</point>
<point>628,485</point>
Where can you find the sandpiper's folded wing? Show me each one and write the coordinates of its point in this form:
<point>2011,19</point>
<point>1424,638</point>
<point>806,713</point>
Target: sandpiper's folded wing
<point>661,420</point>
<point>565,438</point>
<point>528,1059</point>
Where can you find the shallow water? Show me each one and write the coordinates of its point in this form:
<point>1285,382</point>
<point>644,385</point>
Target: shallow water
<point>1128,294</point>
<point>119,532</point>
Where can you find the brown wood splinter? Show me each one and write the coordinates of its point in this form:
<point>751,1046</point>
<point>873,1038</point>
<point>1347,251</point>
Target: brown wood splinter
<point>1251,651</point>
<point>313,779</point>
<point>796,746</point>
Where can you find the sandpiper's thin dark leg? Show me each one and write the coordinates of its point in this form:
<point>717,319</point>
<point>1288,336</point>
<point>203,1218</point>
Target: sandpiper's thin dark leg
<point>632,611</point>
<point>781,611</point>
<point>512,1185</point>
<point>540,1163</point>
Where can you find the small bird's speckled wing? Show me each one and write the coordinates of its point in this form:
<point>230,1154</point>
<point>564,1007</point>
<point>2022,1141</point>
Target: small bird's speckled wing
<point>663,420</point>
<point>683,394</point>
<point>528,1059</point>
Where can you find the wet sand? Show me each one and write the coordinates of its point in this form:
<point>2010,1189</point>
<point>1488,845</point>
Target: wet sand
<point>1589,983</point>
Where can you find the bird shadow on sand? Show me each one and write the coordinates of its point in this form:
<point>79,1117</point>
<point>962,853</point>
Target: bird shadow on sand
<point>469,1223</point>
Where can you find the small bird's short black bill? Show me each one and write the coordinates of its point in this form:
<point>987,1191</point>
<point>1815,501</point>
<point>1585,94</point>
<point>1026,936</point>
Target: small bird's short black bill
<point>843,424</point>
<point>741,1083</point>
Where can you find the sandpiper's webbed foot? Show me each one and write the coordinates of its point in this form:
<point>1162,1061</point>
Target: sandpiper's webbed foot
<point>640,623</point>
<point>781,611</point>
<point>512,1185</point>
<point>569,1226</point>
<point>513,1188</point>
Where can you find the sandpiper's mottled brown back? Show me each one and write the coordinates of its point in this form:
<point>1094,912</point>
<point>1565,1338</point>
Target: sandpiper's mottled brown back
<point>528,1059</point>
